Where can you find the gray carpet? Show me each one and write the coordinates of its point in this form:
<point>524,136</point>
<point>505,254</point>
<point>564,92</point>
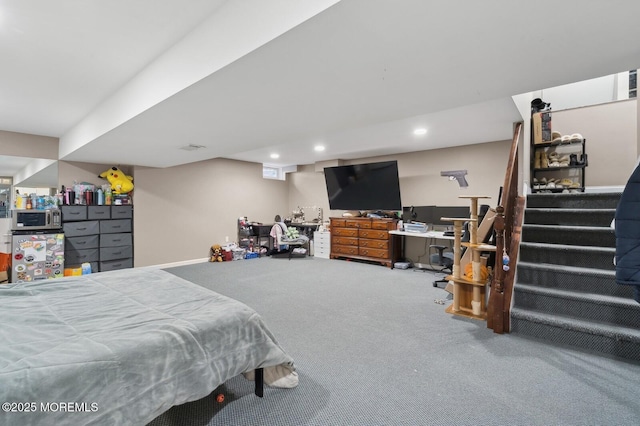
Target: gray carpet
<point>373,348</point>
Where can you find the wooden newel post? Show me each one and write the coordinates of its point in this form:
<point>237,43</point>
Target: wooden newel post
<point>495,317</point>
<point>498,225</point>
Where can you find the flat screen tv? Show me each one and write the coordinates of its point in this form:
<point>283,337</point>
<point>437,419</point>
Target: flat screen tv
<point>370,186</point>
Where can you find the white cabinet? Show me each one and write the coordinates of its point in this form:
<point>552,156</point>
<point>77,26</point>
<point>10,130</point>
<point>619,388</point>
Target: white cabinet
<point>322,244</point>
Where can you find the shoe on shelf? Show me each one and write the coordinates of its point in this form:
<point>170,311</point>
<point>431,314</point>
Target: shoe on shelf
<point>544,160</point>
<point>556,137</point>
<point>576,137</point>
<point>573,159</point>
<point>543,183</point>
<point>563,161</point>
<point>551,184</point>
<point>565,183</point>
<point>583,160</point>
<point>537,161</point>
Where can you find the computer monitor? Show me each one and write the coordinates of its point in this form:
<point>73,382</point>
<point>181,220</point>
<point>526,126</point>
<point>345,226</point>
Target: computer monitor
<point>449,211</point>
<point>432,215</point>
<point>422,214</point>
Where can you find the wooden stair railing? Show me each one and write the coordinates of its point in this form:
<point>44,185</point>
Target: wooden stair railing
<point>507,224</point>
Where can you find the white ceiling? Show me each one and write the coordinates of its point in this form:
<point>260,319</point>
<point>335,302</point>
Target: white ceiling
<point>130,82</point>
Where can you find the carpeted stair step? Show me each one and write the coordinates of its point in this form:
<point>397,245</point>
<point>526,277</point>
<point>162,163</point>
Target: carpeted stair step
<point>603,309</point>
<point>572,235</point>
<point>563,254</point>
<point>572,278</point>
<point>601,338</point>
<point>580,200</point>
<point>583,217</point>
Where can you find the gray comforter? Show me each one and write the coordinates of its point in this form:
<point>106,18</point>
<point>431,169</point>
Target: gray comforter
<point>120,348</point>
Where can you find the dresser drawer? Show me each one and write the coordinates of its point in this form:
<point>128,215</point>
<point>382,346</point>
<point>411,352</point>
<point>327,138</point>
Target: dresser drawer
<point>115,240</point>
<point>382,224</point>
<point>358,223</point>
<point>373,233</point>
<point>78,229</point>
<point>321,236</point>
<point>112,265</point>
<point>352,250</point>
<point>322,243</point>
<point>77,257</point>
<point>70,213</point>
<point>376,244</point>
<point>121,212</point>
<point>113,253</point>
<point>99,212</point>
<point>345,241</point>
<point>344,232</point>
<point>79,243</point>
<point>337,222</point>
<point>371,252</point>
<point>115,226</point>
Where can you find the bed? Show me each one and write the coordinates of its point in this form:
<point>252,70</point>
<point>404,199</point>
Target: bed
<point>122,347</point>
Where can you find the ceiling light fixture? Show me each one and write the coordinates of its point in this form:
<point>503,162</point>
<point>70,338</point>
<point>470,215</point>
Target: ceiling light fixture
<point>318,148</point>
<point>420,131</point>
<point>274,156</point>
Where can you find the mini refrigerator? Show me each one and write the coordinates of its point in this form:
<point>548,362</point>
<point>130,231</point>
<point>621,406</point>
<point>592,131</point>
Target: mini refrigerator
<point>36,255</point>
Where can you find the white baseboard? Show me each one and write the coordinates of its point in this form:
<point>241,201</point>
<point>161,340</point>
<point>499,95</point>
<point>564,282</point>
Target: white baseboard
<point>594,189</point>
<point>182,263</point>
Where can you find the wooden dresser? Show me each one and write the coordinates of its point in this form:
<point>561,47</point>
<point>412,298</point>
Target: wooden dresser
<point>362,238</point>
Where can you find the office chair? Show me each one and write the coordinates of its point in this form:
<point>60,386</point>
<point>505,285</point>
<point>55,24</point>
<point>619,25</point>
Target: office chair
<point>442,259</point>
<point>445,259</point>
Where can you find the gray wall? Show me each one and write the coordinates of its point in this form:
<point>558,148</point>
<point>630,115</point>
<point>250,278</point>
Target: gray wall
<point>611,135</point>
<point>420,182</point>
<point>180,212</point>
<point>25,145</point>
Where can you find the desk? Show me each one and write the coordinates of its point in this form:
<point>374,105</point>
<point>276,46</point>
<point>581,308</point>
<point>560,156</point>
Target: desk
<point>262,232</point>
<point>435,235</point>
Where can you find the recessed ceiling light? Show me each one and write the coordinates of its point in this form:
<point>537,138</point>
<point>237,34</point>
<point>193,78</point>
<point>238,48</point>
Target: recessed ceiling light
<point>274,156</point>
<point>420,131</point>
<point>318,148</point>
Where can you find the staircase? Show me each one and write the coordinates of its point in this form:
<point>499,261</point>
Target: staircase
<point>565,290</point>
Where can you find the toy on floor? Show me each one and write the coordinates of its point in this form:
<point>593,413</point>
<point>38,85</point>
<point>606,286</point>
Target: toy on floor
<point>216,253</point>
<point>120,182</point>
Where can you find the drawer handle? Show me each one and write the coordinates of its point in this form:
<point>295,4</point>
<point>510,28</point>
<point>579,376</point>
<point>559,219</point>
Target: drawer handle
<point>117,226</point>
<point>117,252</point>
<point>82,229</point>
<point>116,240</point>
<point>81,242</point>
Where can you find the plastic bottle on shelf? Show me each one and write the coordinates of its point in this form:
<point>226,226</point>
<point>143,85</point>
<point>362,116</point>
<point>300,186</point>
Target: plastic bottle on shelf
<point>107,197</point>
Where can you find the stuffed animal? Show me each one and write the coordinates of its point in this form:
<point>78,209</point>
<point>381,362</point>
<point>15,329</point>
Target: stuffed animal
<point>120,182</point>
<point>216,253</point>
<point>292,233</point>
